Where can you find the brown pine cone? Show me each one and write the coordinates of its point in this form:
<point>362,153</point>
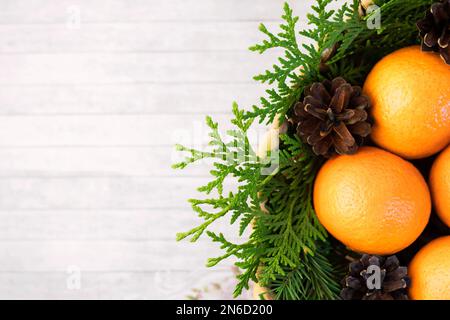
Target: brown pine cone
<point>332,117</point>
<point>358,284</point>
<point>435,30</point>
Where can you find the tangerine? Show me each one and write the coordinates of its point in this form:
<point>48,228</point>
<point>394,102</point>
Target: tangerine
<point>440,185</point>
<point>429,271</point>
<point>373,201</point>
<point>410,103</point>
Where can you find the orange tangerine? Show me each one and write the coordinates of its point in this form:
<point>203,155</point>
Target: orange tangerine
<point>374,201</point>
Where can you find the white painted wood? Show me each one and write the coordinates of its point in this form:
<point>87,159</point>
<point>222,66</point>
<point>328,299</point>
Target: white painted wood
<point>137,256</point>
<point>98,192</point>
<point>137,98</point>
<point>100,225</point>
<point>106,130</point>
<point>88,116</point>
<point>45,11</point>
<point>94,161</point>
<point>209,284</point>
<point>110,130</point>
<point>189,36</point>
<point>107,68</point>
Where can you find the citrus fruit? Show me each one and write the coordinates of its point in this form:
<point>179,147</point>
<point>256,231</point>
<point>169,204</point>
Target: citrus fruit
<point>440,185</point>
<point>430,271</point>
<point>374,201</point>
<point>410,103</point>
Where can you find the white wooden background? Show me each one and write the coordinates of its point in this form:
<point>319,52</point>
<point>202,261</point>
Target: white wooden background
<point>89,114</point>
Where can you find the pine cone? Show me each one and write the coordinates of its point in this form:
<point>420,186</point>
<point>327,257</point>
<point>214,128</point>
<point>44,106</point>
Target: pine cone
<point>358,283</point>
<point>435,30</point>
<point>332,117</point>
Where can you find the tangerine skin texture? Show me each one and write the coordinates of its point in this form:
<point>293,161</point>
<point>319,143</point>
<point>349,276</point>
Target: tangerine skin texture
<point>430,271</point>
<point>409,92</point>
<point>374,201</point>
<point>440,185</point>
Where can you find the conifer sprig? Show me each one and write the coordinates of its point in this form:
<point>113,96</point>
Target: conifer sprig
<point>232,159</point>
<point>288,251</point>
<point>295,69</point>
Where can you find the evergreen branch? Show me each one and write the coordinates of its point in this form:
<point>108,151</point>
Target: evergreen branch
<point>288,251</point>
<point>312,279</point>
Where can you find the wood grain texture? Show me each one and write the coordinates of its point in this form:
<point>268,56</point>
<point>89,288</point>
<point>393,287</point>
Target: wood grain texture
<point>93,95</point>
<point>94,161</point>
<point>131,37</point>
<point>107,68</point>
<point>99,224</point>
<point>135,98</point>
<point>120,285</point>
<point>46,11</point>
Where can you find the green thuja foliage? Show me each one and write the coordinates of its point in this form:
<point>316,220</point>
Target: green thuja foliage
<point>288,251</point>
<point>359,46</point>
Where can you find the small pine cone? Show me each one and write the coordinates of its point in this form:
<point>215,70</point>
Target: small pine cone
<point>332,117</point>
<point>358,284</point>
<point>435,30</point>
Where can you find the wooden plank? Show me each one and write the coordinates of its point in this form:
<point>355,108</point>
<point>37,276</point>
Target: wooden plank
<point>145,99</point>
<point>120,162</point>
<point>94,161</point>
<point>23,11</point>
<point>106,68</point>
<point>67,11</point>
<point>122,130</point>
<point>106,256</point>
<point>131,37</point>
<point>213,284</point>
<point>110,130</point>
<point>102,225</point>
<point>98,192</point>
<point>98,162</point>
